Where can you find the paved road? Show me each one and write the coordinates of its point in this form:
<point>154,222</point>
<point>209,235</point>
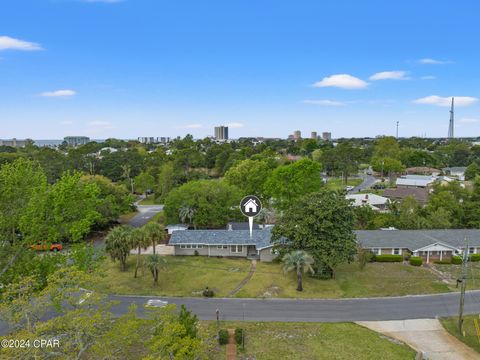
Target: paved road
<point>145,214</point>
<point>367,183</point>
<point>292,310</point>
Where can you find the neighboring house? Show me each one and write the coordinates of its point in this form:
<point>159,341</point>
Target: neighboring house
<point>415,181</point>
<point>458,172</point>
<point>241,226</point>
<point>423,170</point>
<point>175,227</point>
<point>400,193</point>
<point>431,245</point>
<point>376,202</point>
<point>226,243</point>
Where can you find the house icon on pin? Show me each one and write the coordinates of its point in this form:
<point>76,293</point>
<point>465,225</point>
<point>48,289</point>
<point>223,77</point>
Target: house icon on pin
<point>250,206</point>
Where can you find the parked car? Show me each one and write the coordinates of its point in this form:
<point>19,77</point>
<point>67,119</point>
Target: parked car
<point>349,187</point>
<point>44,247</point>
<point>379,186</point>
<point>156,303</point>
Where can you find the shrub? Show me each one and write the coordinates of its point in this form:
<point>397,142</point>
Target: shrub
<point>195,253</point>
<point>223,337</point>
<point>208,292</point>
<point>457,260</point>
<point>474,257</point>
<point>416,261</point>
<point>389,258</point>
<point>239,335</point>
<point>443,262</point>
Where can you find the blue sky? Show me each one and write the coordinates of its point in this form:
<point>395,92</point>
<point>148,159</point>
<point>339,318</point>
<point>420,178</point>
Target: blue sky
<point>164,68</point>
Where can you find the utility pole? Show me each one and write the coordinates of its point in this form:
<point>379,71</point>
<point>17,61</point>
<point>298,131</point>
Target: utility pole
<point>463,282</point>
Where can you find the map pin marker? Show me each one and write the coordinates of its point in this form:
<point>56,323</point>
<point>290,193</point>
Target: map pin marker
<point>250,206</point>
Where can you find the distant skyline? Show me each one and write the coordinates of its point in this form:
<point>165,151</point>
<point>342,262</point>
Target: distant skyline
<point>130,68</point>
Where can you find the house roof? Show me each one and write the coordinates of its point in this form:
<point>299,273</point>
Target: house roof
<point>421,194</point>
<point>455,169</point>
<point>370,199</point>
<point>260,238</point>
<point>176,226</point>
<point>242,226</point>
<point>415,180</point>
<point>417,239</point>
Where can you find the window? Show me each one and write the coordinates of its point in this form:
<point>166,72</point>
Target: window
<point>236,248</point>
<point>222,247</point>
<point>377,251</point>
<point>199,246</point>
<point>396,251</point>
<point>189,246</point>
<point>182,247</point>
<point>471,250</point>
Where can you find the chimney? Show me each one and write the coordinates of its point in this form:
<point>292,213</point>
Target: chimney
<point>230,227</point>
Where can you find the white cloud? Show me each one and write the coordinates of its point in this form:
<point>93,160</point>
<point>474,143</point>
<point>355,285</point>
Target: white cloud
<point>428,77</point>
<point>446,101</point>
<point>324,102</point>
<point>469,120</point>
<point>235,125</point>
<point>343,81</point>
<point>8,43</point>
<point>389,75</point>
<point>58,93</point>
<point>192,126</point>
<point>429,61</point>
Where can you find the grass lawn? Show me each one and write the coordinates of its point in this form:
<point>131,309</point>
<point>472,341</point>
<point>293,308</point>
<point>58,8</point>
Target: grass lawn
<point>470,338</point>
<point>455,271</point>
<point>337,183</point>
<point>376,279</point>
<point>149,200</point>
<point>307,341</point>
<point>182,276</point>
<point>188,275</point>
<point>125,218</point>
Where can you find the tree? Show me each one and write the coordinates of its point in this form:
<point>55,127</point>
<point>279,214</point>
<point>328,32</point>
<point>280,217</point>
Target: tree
<point>118,244</point>
<point>215,202</point>
<point>144,182</point>
<point>288,183</point>
<point>472,171</point>
<point>166,181</point>
<point>321,224</point>
<point>154,233</point>
<point>139,240</point>
<point>300,261</point>
<point>155,262</point>
<point>387,165</point>
<point>387,147</point>
<point>342,160</point>
<point>249,176</point>
<point>186,212</point>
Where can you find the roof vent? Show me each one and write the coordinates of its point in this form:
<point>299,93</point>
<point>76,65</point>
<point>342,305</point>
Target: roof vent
<point>230,227</point>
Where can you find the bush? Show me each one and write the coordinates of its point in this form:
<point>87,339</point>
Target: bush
<point>416,261</point>
<point>443,262</point>
<point>389,258</point>
<point>474,257</point>
<point>208,292</point>
<point>223,337</point>
<point>239,335</point>
<point>195,253</point>
<point>457,260</point>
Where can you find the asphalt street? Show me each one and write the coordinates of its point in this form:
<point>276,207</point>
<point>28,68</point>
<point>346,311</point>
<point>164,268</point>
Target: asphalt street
<point>367,183</point>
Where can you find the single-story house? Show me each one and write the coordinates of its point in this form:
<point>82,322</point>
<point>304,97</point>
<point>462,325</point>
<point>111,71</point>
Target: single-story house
<point>415,180</point>
<point>376,202</point>
<point>431,245</point>
<point>422,170</point>
<point>241,226</point>
<point>400,193</point>
<point>457,171</point>
<point>227,243</point>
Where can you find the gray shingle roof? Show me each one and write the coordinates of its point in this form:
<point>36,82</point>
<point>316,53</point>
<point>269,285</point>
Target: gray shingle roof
<point>260,238</point>
<point>416,239</point>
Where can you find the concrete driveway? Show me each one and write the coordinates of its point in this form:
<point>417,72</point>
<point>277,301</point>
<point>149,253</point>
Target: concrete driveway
<point>426,336</point>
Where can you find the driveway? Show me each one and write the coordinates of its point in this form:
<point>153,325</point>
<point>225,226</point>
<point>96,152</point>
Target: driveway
<point>367,183</point>
<point>426,336</point>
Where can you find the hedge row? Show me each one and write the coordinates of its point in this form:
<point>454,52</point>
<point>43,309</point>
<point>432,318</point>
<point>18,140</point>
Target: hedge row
<point>223,337</point>
<point>416,261</point>
<point>457,260</point>
<point>474,257</point>
<point>239,335</point>
<point>389,258</point>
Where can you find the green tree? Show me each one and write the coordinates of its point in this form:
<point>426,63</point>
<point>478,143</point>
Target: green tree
<point>288,183</point>
<point>215,202</point>
<point>154,263</point>
<point>144,182</point>
<point>166,181</point>
<point>322,224</point>
<point>300,261</point>
<point>342,160</point>
<point>118,244</point>
<point>249,176</point>
<point>139,240</point>
<point>154,234</point>
<point>472,171</point>
<point>387,165</point>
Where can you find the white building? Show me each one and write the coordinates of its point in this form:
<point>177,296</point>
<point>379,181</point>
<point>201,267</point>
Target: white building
<point>376,202</point>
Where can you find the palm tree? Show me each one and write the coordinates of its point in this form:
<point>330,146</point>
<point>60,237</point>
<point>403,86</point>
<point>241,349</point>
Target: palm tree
<point>186,212</point>
<point>139,240</point>
<point>154,233</point>
<point>155,262</point>
<point>118,244</point>
<point>300,261</point>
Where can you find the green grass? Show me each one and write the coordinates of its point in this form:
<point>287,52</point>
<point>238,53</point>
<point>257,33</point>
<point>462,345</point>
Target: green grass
<point>376,279</point>
<point>470,338</point>
<point>337,183</point>
<point>307,341</point>
<point>455,272</point>
<point>188,275</point>
<point>125,218</point>
<point>149,200</point>
<point>182,276</point>
<point>159,218</point>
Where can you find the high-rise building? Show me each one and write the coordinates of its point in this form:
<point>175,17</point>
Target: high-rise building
<point>313,135</point>
<point>327,136</point>
<point>14,143</point>
<point>147,140</point>
<point>221,132</point>
<point>75,141</point>
<point>297,135</point>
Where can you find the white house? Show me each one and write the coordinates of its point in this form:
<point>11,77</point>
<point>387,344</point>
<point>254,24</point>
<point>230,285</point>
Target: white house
<point>458,171</point>
<point>250,206</point>
<point>376,202</point>
<point>415,180</point>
